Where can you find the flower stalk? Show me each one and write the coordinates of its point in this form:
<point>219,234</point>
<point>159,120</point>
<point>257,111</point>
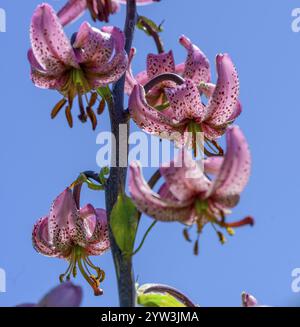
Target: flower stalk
<point>117,178</point>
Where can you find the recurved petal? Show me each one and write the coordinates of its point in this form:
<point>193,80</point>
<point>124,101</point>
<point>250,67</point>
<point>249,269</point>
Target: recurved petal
<point>40,238</point>
<point>235,170</point>
<point>147,118</point>
<point>213,132</point>
<point>223,101</point>
<point>114,69</point>
<point>152,203</point>
<point>117,35</point>
<point>160,63</point>
<point>93,46</point>
<point>130,81</point>
<point>72,10</point>
<point>110,72</point>
<point>197,65</point>
<point>62,220</point>
<point>185,102</point>
<point>64,295</point>
<point>212,165</point>
<point>100,232</point>
<point>184,177</point>
<point>99,242</point>
<point>45,81</point>
<point>50,45</point>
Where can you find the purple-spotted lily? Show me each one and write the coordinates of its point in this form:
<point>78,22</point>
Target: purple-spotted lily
<point>168,109</point>
<point>189,196</point>
<point>64,295</point>
<point>99,9</point>
<point>94,59</point>
<point>73,234</point>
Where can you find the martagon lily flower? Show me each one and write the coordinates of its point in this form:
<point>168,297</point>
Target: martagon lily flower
<point>64,295</point>
<point>99,9</point>
<point>170,110</point>
<point>189,196</point>
<point>94,59</point>
<point>73,234</point>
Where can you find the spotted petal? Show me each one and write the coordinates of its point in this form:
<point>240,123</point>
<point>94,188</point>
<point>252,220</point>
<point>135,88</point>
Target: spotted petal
<point>93,46</point>
<point>235,170</point>
<point>62,220</point>
<point>40,238</point>
<point>152,204</point>
<point>160,63</point>
<point>112,70</point>
<point>184,177</point>
<point>72,10</point>
<point>197,65</point>
<point>185,102</point>
<point>224,99</point>
<point>147,118</point>
<point>51,47</point>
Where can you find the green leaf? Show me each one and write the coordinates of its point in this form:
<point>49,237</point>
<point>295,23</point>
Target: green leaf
<point>158,300</point>
<point>124,223</point>
<point>151,23</point>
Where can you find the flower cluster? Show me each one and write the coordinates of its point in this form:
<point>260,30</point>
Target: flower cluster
<point>169,100</point>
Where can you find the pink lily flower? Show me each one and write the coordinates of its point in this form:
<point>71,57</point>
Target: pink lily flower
<point>189,196</point>
<point>73,234</point>
<point>169,110</point>
<point>94,59</point>
<point>99,9</point>
<point>64,295</point>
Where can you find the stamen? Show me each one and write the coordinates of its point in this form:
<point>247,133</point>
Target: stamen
<point>90,279</point>
<point>209,143</point>
<point>101,107</point>
<point>246,221</point>
<point>82,117</point>
<point>92,117</point>
<point>58,107</point>
<point>69,116</point>
<point>93,99</point>
<point>221,237</point>
<point>196,247</point>
<point>186,234</point>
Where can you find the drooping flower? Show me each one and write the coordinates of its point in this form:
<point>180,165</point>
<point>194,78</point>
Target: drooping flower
<point>189,196</point>
<point>169,109</point>
<point>64,295</point>
<point>94,59</point>
<point>73,234</point>
<point>99,9</point>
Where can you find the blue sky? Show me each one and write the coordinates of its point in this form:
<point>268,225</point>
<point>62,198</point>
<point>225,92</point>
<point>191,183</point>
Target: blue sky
<point>39,157</point>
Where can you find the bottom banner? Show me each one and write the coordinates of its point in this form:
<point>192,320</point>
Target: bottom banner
<point>135,316</point>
